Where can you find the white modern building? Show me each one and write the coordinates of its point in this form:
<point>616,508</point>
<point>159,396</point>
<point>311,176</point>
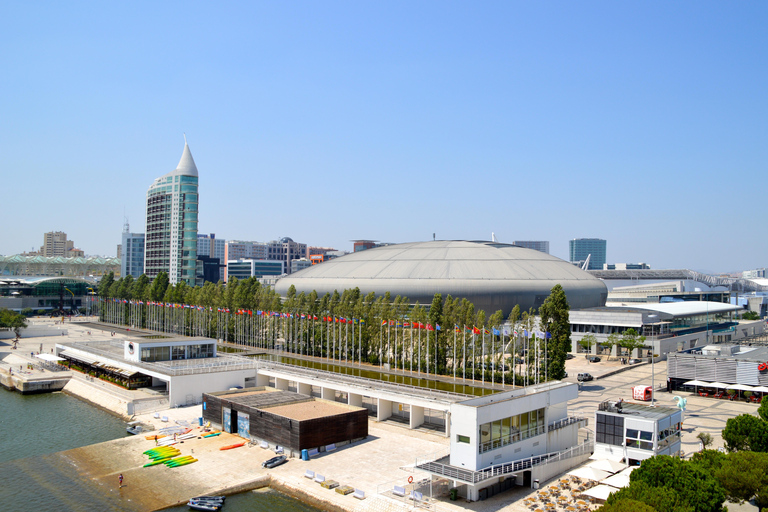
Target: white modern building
<point>632,432</point>
<point>171,232</point>
<point>184,368</point>
<point>209,245</point>
<point>245,268</point>
<point>668,327</point>
<point>519,436</point>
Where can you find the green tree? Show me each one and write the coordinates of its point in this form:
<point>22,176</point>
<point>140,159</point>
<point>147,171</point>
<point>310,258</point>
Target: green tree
<point>105,284</point>
<point>588,341</point>
<point>158,287</point>
<point>630,341</point>
<point>140,287</point>
<point>13,320</point>
<point>762,411</point>
<point>744,475</point>
<point>661,499</point>
<point>626,505</point>
<point>705,438</point>
<point>613,340</point>
<point>555,321</point>
<point>695,487</point>
<point>750,315</point>
<point>746,433</point>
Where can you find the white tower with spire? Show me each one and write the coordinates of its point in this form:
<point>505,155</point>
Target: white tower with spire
<point>171,238</point>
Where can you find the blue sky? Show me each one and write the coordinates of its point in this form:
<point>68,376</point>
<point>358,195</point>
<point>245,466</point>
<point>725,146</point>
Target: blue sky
<point>640,123</point>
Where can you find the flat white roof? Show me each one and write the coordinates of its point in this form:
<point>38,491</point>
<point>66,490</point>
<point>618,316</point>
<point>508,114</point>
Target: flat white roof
<point>685,308</point>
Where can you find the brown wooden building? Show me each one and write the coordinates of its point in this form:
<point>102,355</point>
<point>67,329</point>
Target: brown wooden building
<point>284,418</point>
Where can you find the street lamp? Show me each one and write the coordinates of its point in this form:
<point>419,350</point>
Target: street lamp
<point>653,370</point>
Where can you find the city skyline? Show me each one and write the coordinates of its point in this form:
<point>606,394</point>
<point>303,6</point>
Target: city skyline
<point>335,122</point>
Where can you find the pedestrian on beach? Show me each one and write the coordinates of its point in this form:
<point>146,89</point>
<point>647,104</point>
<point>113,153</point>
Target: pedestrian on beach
<point>120,479</point>
<point>155,439</point>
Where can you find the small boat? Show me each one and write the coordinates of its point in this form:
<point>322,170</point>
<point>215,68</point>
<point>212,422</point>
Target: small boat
<point>274,461</point>
<point>134,428</point>
<point>204,506</point>
<point>236,445</point>
<point>212,498</point>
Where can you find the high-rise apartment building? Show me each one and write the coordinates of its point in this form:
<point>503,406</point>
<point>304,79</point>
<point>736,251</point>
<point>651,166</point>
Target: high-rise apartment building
<point>55,243</point>
<point>581,248</point>
<point>541,246</point>
<point>171,238</point>
<point>131,253</point>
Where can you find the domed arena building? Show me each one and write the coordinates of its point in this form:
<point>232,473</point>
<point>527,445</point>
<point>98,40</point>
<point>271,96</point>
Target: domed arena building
<point>491,275</point>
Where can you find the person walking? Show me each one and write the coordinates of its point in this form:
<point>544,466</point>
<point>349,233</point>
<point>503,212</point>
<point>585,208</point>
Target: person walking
<point>120,480</point>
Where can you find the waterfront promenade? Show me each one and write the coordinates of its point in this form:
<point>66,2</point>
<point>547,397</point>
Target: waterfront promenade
<point>381,461</point>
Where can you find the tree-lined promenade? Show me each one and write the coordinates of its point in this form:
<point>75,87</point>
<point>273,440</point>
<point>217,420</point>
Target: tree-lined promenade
<point>448,337</point>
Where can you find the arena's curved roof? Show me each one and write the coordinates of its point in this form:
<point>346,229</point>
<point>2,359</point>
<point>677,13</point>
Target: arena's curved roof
<point>491,275</point>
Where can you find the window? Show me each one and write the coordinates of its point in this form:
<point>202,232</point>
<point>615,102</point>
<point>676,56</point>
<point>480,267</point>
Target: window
<point>609,429</point>
<point>462,439</point>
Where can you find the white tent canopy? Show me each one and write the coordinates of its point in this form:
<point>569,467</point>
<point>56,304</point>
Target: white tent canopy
<point>741,387</point>
<point>601,492</point>
<point>610,466</point>
<point>760,389</point>
<point>718,385</point>
<point>620,479</point>
<point>589,473</point>
<point>49,357</point>
<point>695,383</point>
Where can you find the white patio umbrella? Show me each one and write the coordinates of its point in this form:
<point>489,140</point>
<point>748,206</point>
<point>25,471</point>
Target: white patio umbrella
<point>719,385</point>
<point>600,492</point>
<point>589,473</point>
<point>610,466</point>
<point>695,383</point>
<point>760,389</point>
<point>741,387</point>
<point>620,479</point>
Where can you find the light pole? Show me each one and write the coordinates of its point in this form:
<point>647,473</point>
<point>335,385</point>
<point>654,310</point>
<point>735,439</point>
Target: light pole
<point>653,370</point>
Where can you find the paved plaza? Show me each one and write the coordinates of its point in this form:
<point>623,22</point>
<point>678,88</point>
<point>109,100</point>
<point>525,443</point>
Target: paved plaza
<point>386,458</point>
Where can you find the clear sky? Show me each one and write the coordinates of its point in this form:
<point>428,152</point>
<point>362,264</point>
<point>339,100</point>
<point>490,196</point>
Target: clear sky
<point>643,123</point>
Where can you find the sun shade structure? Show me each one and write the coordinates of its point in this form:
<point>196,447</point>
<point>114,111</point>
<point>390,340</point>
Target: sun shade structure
<point>601,492</point>
<point>611,466</point>
<point>491,275</point>
<point>590,473</point>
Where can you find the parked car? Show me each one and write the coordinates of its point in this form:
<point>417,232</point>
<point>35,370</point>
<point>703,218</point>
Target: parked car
<point>593,359</point>
<point>635,361</point>
<point>569,356</point>
<point>583,377</point>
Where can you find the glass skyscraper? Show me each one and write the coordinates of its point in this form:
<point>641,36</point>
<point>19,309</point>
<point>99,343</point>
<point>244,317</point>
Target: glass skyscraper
<point>580,248</point>
<point>171,237</point>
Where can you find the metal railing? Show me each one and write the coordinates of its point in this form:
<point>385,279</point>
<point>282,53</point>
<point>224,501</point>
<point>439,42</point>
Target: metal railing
<point>474,477</point>
<point>565,422</point>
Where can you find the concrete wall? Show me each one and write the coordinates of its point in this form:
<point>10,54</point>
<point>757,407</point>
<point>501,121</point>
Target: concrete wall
<point>34,332</point>
<point>196,385</point>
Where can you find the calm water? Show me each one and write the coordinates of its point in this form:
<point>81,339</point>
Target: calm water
<point>34,427</point>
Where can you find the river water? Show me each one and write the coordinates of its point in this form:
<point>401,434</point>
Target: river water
<point>34,477</point>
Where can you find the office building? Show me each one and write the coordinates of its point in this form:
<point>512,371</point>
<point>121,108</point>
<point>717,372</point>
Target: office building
<point>132,254</point>
<point>626,266</point>
<point>286,250</point>
<point>209,245</point>
<point>541,246</point>
<point>592,248</point>
<point>171,238</point>
<point>208,270</point>
<point>300,264</point>
<point>242,250</point>
<point>245,268</point>
<point>759,273</point>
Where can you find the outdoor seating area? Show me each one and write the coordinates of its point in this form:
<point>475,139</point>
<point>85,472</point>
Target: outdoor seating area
<point>564,495</point>
<point>733,392</point>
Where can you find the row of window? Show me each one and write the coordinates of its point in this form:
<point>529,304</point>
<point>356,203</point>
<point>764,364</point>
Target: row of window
<point>511,430</point>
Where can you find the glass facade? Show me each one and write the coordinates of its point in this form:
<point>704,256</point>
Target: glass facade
<point>510,430</point>
<point>580,248</point>
<point>171,237</point>
<point>177,352</point>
